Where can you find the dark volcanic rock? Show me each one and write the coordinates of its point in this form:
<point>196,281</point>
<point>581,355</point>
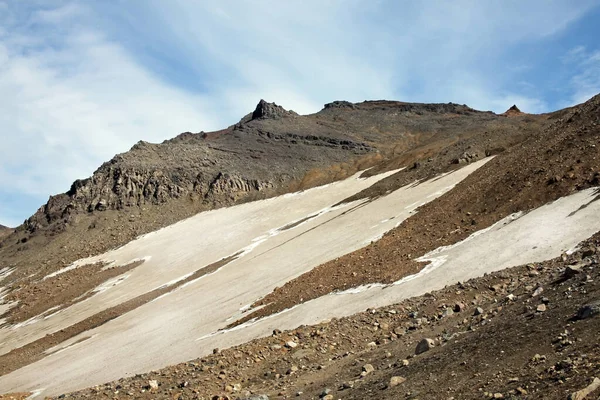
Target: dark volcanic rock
<point>270,110</point>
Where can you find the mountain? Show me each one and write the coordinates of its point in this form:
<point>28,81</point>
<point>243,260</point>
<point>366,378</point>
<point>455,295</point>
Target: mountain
<point>559,160</point>
<point>270,151</point>
<point>470,238</point>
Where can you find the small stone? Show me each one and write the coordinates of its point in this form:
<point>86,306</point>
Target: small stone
<point>325,393</point>
<point>405,363</point>
<point>541,308</point>
<point>572,270</point>
<point>521,391</point>
<point>511,297</point>
<point>291,344</point>
<point>498,396</point>
<point>537,291</point>
<point>367,369</point>
<point>424,345</point>
<point>458,307</point>
<point>396,380</point>
<point>447,312</point>
<point>583,393</point>
<point>588,252</point>
<point>153,385</point>
<point>328,397</point>
<point>399,331</point>
<point>478,311</point>
<point>589,310</point>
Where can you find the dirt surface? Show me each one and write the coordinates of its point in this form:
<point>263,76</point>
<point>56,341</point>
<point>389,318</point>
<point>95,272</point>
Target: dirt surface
<point>5,231</point>
<point>38,349</point>
<point>511,334</point>
<point>558,161</point>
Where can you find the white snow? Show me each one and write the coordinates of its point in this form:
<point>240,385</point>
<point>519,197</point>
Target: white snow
<point>186,323</point>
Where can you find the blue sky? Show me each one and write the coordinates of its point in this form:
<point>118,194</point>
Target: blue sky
<point>82,81</point>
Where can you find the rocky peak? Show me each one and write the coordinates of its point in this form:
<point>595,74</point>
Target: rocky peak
<point>266,110</point>
<point>340,104</point>
<point>514,110</point>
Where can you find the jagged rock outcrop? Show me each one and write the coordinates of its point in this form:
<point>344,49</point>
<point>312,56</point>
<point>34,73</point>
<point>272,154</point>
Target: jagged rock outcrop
<point>340,104</point>
<point>271,110</point>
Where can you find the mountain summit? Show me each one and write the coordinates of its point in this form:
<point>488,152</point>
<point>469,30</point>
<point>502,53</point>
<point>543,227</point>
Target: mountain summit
<point>271,110</point>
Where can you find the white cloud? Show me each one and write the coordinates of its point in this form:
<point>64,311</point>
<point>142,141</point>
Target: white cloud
<point>585,83</point>
<point>72,105</point>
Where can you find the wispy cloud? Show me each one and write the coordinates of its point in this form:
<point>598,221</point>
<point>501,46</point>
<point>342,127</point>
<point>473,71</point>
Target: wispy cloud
<point>585,81</point>
<point>82,81</point>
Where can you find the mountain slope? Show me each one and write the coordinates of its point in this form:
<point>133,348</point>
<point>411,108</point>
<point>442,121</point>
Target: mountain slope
<point>555,162</point>
<point>4,231</point>
<point>539,159</point>
<point>270,151</point>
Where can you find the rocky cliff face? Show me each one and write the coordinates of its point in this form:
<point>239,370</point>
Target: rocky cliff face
<point>217,169</point>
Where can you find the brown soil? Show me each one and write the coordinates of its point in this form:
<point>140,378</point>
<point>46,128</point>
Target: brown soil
<point>34,351</point>
<point>60,291</point>
<point>5,231</point>
<point>552,164</point>
<point>512,348</point>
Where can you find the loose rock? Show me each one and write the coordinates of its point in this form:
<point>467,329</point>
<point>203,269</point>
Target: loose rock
<point>367,369</point>
<point>589,310</point>
<point>583,393</point>
<point>396,380</point>
<point>424,345</point>
<point>541,308</point>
